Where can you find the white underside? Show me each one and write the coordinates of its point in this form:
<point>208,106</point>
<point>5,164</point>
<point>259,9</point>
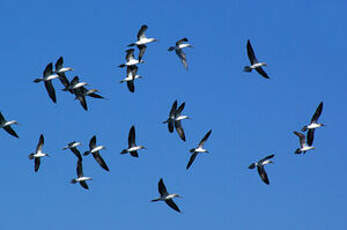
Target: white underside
<point>97,148</point>
<point>314,126</point>
<point>132,149</point>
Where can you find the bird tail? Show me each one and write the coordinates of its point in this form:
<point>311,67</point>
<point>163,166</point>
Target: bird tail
<point>297,151</point>
<point>37,80</point>
<point>304,128</point>
<point>86,153</point>
<point>171,48</point>
<point>124,151</point>
<point>132,44</point>
<point>155,200</point>
<point>122,66</point>
<point>247,69</point>
<point>251,166</point>
<point>192,150</point>
<point>73,181</point>
<point>31,156</point>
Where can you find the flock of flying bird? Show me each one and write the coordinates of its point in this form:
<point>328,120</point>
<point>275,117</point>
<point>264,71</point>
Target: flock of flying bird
<point>174,121</point>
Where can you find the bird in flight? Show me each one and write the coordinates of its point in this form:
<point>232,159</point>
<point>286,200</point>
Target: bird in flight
<point>38,153</point>
<point>255,64</point>
<point>6,125</point>
<point>132,147</point>
<point>180,45</point>
<point>142,41</point>
<point>260,166</point>
<point>80,177</point>
<point>199,149</point>
<point>165,196</point>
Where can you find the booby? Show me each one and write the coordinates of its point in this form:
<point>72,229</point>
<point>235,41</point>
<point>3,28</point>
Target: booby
<point>199,149</point>
<point>130,59</point>
<point>6,125</point>
<point>38,153</point>
<point>172,115</point>
<point>132,147</point>
<point>178,119</point>
<point>303,146</point>
<point>48,76</point>
<point>61,70</point>
<point>314,124</point>
<point>131,76</point>
<point>165,196</point>
<point>93,149</point>
<point>73,147</point>
<point>142,40</point>
<point>255,64</point>
<point>179,51</point>
<point>260,166</point>
<point>80,177</point>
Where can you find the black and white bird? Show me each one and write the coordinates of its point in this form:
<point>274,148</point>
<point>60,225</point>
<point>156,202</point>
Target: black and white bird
<point>172,115</point>
<point>142,41</point>
<point>80,177</point>
<point>94,150</point>
<point>131,77</point>
<point>6,125</point>
<point>73,147</point>
<point>255,64</point>
<point>180,45</point>
<point>130,59</point>
<point>48,76</point>
<point>199,149</point>
<point>314,121</point>
<point>75,84</point>
<point>304,147</point>
<point>260,166</point>
<point>38,153</point>
<point>61,70</point>
<point>81,93</point>
<point>132,147</point>
<point>167,197</point>
<point>175,118</point>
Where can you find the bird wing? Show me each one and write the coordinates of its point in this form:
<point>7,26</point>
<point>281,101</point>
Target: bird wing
<point>180,130</point>
<point>59,64</point>
<point>77,153</point>
<point>267,158</point>
<point>95,95</point>
<point>37,163</point>
<point>161,187</point>
<point>100,160</point>
<point>74,80</point>
<point>250,53</point>
<point>204,139</point>
<point>181,41</point>
<point>261,71</point>
<point>82,100</point>
<point>170,125</point>
<point>79,169</point>
<point>131,86</point>
<point>317,113</point>
<point>48,70</point>
<point>180,109</point>
<point>131,137</point>
<point>130,54</point>
<point>251,166</point>
<point>10,131</point>
<point>173,109</point>
<point>134,154</point>
<point>301,138</point>
<point>172,204</point>
<point>40,144</point>
<point>92,142</point>
<point>182,57</point>
<point>141,33</point>
<point>263,174</point>
<point>132,70</point>
<point>191,160</point>
<point>310,136</point>
<point>64,81</point>
<point>142,49</point>
<point>1,117</point>
<point>84,184</point>
<point>50,90</point>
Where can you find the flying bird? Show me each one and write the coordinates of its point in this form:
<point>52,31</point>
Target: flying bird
<point>130,59</point>
<point>255,64</point>
<point>61,70</point>
<point>180,45</point>
<point>94,150</point>
<point>48,76</point>
<point>132,147</point>
<point>260,166</point>
<point>303,146</point>
<point>131,76</point>
<point>6,125</point>
<point>199,149</point>
<point>80,178</point>
<point>178,119</point>
<point>38,153</point>
<point>73,147</point>
<point>81,93</point>
<point>172,115</point>
<point>165,196</point>
<point>75,84</point>
<point>142,40</point>
<point>314,124</point>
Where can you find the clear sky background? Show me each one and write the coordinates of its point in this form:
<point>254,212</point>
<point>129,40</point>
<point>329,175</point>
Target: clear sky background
<point>304,44</point>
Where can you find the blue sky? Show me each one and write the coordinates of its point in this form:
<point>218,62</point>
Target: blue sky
<point>303,43</point>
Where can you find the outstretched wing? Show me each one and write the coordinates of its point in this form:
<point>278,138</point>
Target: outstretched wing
<point>250,53</point>
<point>261,71</point>
<point>182,57</point>
<point>37,163</point>
<point>317,113</point>
<point>172,204</point>
<point>50,90</point>
<point>131,137</point>
<point>40,144</point>
<point>131,86</point>
<point>204,139</point>
<point>191,160</point>
<point>10,131</point>
<point>263,174</point>
<point>59,64</point>
<point>301,138</point>
<point>181,41</point>
<point>180,130</point>
<point>161,187</point>
<point>142,49</point>
<point>310,136</point>
<point>130,54</point>
<point>92,143</point>
<point>84,184</point>
<point>79,169</point>
<point>141,33</point>
<point>100,160</point>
